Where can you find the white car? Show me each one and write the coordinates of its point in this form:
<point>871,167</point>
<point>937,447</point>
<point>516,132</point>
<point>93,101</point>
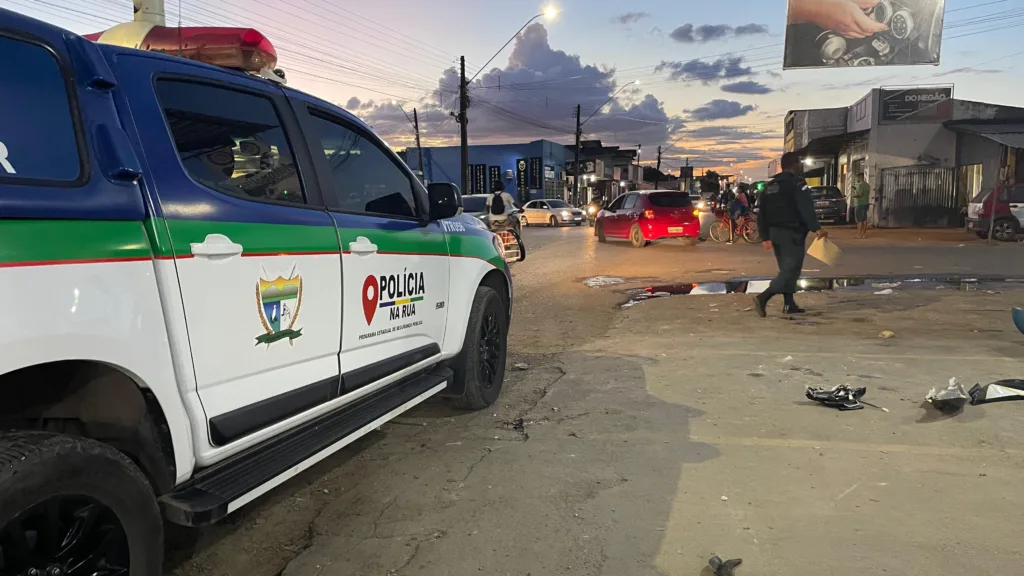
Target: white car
<point>550,213</point>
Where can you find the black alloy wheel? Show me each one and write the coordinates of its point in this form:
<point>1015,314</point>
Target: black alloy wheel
<point>489,348</point>
<point>64,536</point>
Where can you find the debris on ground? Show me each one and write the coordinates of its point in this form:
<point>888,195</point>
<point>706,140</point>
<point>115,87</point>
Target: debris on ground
<point>840,396</point>
<point>521,366</point>
<point>885,284</point>
<point>949,400</point>
<point>998,391</point>
<point>725,498</point>
<point>886,292</point>
<point>724,567</point>
<point>886,334</point>
<point>598,281</point>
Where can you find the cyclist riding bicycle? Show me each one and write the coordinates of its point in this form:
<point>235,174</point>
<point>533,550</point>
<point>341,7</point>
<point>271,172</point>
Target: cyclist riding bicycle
<point>499,205</point>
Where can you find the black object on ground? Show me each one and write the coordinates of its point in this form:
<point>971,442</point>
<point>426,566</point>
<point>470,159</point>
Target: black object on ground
<point>951,399</point>
<point>724,567</point>
<point>998,391</point>
<point>841,396</point>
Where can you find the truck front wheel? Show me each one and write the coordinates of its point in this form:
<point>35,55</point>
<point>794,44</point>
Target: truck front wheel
<point>75,506</point>
<point>481,364</point>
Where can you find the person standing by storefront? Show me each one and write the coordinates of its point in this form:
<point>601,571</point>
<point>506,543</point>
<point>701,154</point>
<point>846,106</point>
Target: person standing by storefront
<point>785,216</point>
<point>860,201</point>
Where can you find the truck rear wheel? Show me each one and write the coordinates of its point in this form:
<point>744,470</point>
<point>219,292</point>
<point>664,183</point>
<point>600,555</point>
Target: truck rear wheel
<point>481,364</point>
<point>75,506</point>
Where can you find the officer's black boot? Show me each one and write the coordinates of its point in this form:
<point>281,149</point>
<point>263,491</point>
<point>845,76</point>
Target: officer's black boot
<point>761,302</point>
<point>790,306</point>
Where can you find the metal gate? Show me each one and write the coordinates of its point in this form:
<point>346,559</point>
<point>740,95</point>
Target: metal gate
<point>917,197</point>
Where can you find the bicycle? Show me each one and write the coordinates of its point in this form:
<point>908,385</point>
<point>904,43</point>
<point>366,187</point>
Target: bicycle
<point>746,227</point>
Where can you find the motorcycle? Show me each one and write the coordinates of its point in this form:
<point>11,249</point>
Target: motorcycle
<point>592,211</point>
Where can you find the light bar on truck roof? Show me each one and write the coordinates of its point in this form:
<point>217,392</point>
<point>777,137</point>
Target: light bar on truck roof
<point>237,48</point>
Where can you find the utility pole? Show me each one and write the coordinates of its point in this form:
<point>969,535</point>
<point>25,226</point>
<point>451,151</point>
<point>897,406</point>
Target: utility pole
<point>657,176</point>
<point>463,121</point>
<point>419,149</point>
<point>576,164</point>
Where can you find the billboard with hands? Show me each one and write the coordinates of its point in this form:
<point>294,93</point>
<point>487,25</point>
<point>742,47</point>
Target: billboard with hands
<point>840,33</point>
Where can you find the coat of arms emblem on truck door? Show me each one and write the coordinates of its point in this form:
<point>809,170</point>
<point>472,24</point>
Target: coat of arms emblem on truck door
<point>278,302</point>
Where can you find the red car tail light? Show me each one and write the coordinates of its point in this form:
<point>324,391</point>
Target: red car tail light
<point>649,214</point>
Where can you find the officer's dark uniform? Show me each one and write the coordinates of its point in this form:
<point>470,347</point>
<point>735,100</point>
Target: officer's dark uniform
<point>785,216</point>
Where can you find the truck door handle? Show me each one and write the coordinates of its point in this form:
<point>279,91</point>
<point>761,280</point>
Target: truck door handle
<point>216,245</point>
<point>362,245</point>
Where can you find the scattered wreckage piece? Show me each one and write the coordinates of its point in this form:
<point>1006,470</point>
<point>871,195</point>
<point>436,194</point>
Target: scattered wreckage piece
<point>841,396</point>
<point>998,391</point>
<point>724,567</point>
<point>949,400</point>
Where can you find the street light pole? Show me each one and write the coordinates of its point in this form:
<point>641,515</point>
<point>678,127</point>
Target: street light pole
<point>463,121</point>
<point>464,95</point>
<point>576,164</point>
<point>419,148</point>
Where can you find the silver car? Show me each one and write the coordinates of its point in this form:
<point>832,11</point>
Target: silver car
<point>550,213</point>
<point>476,206</point>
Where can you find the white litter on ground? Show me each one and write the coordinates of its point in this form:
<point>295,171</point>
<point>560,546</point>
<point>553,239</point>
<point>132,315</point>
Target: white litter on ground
<point>598,281</point>
<point>886,292</point>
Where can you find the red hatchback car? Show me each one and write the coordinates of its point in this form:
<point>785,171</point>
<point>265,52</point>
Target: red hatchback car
<point>648,215</point>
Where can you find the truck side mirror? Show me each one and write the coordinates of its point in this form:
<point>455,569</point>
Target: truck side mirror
<point>444,199</point>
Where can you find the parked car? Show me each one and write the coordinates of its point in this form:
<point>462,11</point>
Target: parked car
<point>550,213</point>
<point>1009,212</point>
<point>476,206</point>
<point>829,204</point>
<point>194,327</point>
<point>645,216</point>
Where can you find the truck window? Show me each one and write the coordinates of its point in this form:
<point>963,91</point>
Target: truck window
<point>37,131</point>
<point>231,142</point>
<point>366,180</point>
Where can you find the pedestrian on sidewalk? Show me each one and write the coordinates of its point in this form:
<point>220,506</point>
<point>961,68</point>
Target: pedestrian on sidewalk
<point>861,201</point>
<point>785,216</point>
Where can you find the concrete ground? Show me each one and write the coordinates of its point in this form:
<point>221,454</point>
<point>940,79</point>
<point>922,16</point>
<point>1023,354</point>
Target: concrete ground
<point>640,441</point>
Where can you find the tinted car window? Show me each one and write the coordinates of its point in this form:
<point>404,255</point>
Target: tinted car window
<point>670,200</point>
<point>366,179</point>
<point>629,202</point>
<point>557,204</point>
<point>474,204</point>
<point>37,132</point>
<point>229,141</point>
<point>827,192</point>
<point>1017,195</point>
<point>616,204</point>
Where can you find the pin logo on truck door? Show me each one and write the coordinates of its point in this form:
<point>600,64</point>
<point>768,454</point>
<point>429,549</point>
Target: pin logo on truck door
<point>278,302</point>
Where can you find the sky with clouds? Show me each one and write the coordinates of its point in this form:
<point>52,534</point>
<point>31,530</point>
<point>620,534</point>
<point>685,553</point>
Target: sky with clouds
<point>703,77</point>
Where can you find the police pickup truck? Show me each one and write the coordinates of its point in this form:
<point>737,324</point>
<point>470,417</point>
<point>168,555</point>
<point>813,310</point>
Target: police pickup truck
<point>212,282</point>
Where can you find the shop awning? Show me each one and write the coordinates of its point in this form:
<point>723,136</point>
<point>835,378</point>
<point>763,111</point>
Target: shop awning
<point>831,145</point>
<point>1006,133</point>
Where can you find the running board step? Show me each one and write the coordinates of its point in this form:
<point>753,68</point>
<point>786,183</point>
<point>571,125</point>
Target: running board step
<point>221,489</point>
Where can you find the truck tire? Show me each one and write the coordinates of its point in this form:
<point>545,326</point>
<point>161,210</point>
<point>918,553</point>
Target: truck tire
<point>99,506</point>
<point>481,364</point>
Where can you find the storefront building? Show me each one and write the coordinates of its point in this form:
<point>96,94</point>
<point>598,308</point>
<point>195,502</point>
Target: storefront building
<point>910,145</point>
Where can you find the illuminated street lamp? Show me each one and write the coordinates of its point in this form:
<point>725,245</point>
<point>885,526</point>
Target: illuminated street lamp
<point>549,12</point>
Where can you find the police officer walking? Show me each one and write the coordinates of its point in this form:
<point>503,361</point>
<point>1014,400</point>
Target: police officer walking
<point>785,216</point>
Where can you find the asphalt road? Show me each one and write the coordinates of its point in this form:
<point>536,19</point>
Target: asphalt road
<point>640,441</point>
